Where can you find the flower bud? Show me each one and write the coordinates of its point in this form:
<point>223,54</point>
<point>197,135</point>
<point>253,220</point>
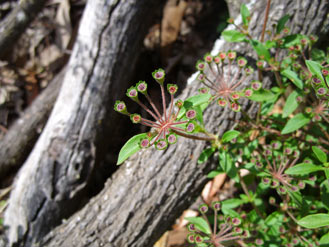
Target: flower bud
<point>144,143</point>
<point>201,77</point>
<point>238,230</point>
<point>321,91</point>
<point>236,221</point>
<point>172,88</point>
<point>207,58</point>
<point>231,55</point>
<point>159,76</point>
<point>172,138</point>
<point>272,200</point>
<point>313,38</point>
<point>191,238</point>
<point>281,190</point>
<point>190,127</point>
<point>179,103</point>
<point>325,72</point>
<point>216,205</point>
<point>132,93</point>
<point>190,114</point>
<point>260,64</point>
<point>259,241</point>
<point>259,165</point>
<point>266,180</point>
<point>275,184</point>
<point>276,145</point>
<point>248,93</point>
<point>235,107</point>
<point>249,70</point>
<point>203,90</point>
<point>161,144</point>
<point>304,42</point>
<point>142,87</point>
<point>191,227</point>
<point>230,20</point>
<point>222,55</point>
<point>222,102</point>
<point>301,185</point>
<point>200,65</point>
<point>256,85</point>
<point>198,239</point>
<point>203,208</point>
<point>135,118</point>
<point>217,60</point>
<point>286,30</point>
<point>120,106</point>
<point>235,96</point>
<point>242,62</point>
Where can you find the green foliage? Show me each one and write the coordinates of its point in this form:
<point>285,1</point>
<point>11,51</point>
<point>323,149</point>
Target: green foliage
<point>132,146</point>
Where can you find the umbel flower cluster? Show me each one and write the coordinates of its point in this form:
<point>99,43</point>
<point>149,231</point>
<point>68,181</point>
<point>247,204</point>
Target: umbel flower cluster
<point>224,230</point>
<point>223,81</point>
<point>166,125</point>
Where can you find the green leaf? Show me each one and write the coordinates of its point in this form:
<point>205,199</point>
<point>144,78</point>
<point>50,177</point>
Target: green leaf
<point>314,221</point>
<point>231,203</point>
<point>324,240</point>
<point>226,163</point>
<point>274,219</point>
<point>320,154</point>
<point>213,174</point>
<point>296,197</point>
<point>295,123</point>
<point>315,69</point>
<point>197,100</point>
<point>204,156</point>
<point>230,135</point>
<point>291,75</point>
<point>200,224</point>
<point>130,147</point>
<point>262,95</point>
<point>292,40</point>
<point>233,36</point>
<point>244,14</point>
<point>318,55</point>
<point>261,50</point>
<point>303,169</point>
<point>270,44</point>
<point>283,20</point>
<point>291,104</point>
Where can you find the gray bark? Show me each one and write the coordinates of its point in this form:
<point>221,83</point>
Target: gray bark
<point>15,23</point>
<point>150,190</point>
<point>52,180</point>
<point>22,135</point>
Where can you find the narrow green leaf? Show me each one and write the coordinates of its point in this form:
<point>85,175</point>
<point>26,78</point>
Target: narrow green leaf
<point>324,240</point>
<point>213,174</point>
<point>204,156</point>
<point>291,75</point>
<point>262,95</point>
<point>315,69</point>
<point>314,221</point>
<point>197,100</point>
<point>292,40</point>
<point>200,224</point>
<point>302,169</point>
<point>291,104</point>
<point>130,147</point>
<point>231,203</point>
<point>275,218</point>
<point>295,123</point>
<point>226,163</point>
<point>261,50</point>
<point>233,36</point>
<point>296,197</point>
<point>229,135</point>
<point>281,23</point>
<point>320,154</point>
<point>244,14</point>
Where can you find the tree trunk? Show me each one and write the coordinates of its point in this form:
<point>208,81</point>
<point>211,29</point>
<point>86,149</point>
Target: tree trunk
<point>52,180</point>
<point>151,189</point>
<point>21,136</point>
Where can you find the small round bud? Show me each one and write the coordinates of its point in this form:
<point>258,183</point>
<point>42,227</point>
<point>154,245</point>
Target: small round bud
<point>266,180</point>
<point>201,77</point>
<point>203,208</point>
<point>190,127</point>
<point>248,93</point>
<point>222,102</point>
<point>294,188</point>
<point>299,99</point>
<point>267,152</point>
<point>276,145</point>
<point>308,110</point>
<point>217,60</point>
<point>203,90</point>
<point>242,62</point>
<point>191,227</point>
<point>172,138</point>
<point>191,238</point>
<point>200,65</point>
<point>161,144</point>
<point>281,190</point>
<point>321,91</point>
<point>235,96</point>
<point>295,241</point>
<point>207,58</point>
<point>216,205</point>
<point>249,70</point>
<point>286,30</point>
<point>236,221</point>
<point>159,75</point>
<point>172,88</point>
<point>144,143</point>
<point>141,87</point>
<point>198,239</point>
<point>120,106</point>
<point>260,64</point>
<point>304,42</point>
<point>316,118</point>
<point>296,154</point>
<point>190,114</point>
<point>259,165</point>
<point>259,241</point>
<point>312,178</point>
<point>222,55</point>
<point>231,55</point>
<point>235,107</point>
<point>288,151</point>
<point>132,93</point>
<point>179,103</point>
<point>230,20</point>
<point>301,185</point>
<point>298,47</point>
<point>246,234</point>
<point>275,184</point>
<point>325,72</point>
<point>296,66</point>
<point>272,200</point>
<point>256,85</point>
<point>135,118</point>
<point>313,38</point>
<point>238,230</point>
<point>282,229</point>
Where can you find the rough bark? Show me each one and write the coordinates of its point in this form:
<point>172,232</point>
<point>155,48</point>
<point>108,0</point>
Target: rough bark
<point>22,135</point>
<point>149,191</point>
<point>15,23</point>
<point>50,184</point>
